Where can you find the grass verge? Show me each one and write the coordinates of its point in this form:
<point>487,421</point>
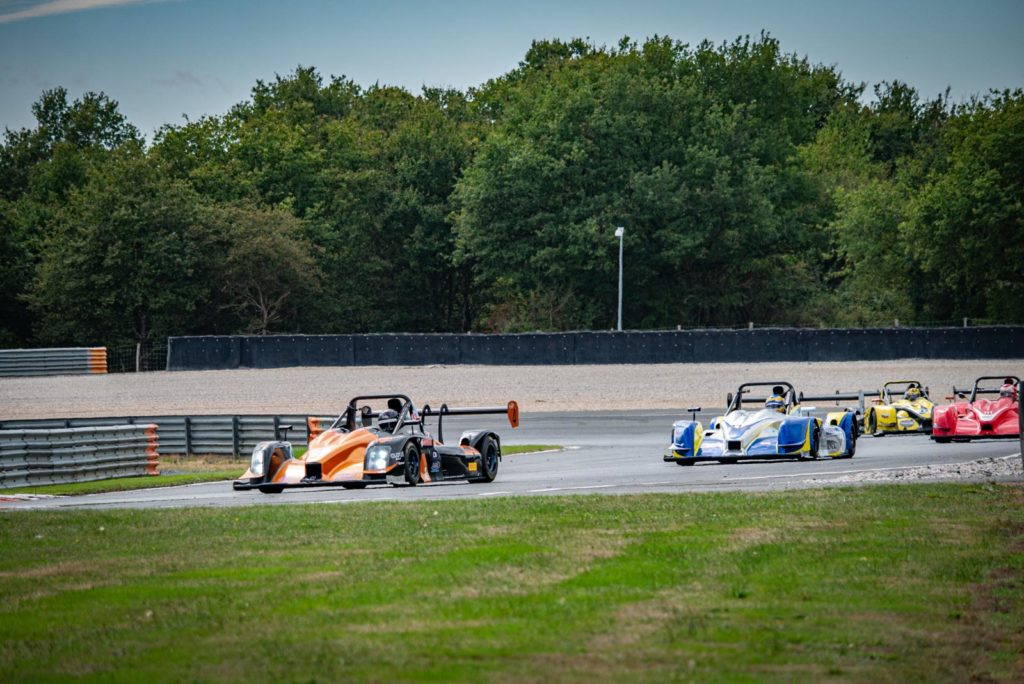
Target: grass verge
<point>513,449</point>
<point>178,470</point>
<point>887,583</point>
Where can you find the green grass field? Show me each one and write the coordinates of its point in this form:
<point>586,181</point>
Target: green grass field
<point>179,470</point>
<point>893,583</point>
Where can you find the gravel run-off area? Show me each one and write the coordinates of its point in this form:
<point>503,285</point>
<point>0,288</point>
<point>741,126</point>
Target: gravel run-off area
<point>536,388</point>
<point>1002,468</point>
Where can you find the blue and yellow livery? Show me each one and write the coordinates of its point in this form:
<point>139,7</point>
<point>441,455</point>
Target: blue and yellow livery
<point>781,429</point>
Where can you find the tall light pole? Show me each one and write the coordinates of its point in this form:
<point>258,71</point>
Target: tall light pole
<point>619,232</point>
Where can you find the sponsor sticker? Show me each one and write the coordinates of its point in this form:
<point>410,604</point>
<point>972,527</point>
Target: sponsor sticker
<point>472,466</point>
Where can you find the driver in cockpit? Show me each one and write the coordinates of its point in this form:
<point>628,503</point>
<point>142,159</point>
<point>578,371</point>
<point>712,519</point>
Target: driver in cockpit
<point>913,393</point>
<point>387,420</point>
<point>1008,390</point>
<point>775,403</point>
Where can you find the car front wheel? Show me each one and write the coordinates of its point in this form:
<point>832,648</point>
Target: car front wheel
<point>488,460</point>
<point>411,457</point>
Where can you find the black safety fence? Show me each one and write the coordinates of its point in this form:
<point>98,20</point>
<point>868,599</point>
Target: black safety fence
<point>673,346</point>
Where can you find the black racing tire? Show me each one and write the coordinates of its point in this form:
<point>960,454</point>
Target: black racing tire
<point>815,442</point>
<point>685,463</point>
<point>411,467</point>
<point>354,485</point>
<point>871,424</point>
<point>271,489</point>
<point>727,461</point>
<point>488,460</point>
<point>942,440</point>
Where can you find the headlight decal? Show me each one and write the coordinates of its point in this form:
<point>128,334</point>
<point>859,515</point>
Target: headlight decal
<point>377,457</point>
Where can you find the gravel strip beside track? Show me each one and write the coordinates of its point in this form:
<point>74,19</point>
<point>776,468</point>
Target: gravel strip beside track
<point>537,388</point>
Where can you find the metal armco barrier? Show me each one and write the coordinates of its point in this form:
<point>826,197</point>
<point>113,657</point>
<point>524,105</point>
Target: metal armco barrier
<point>68,361</point>
<point>55,456</point>
<point>675,346</point>
<point>188,435</point>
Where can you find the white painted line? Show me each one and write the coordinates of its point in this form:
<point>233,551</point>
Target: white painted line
<point>491,493</point>
<point>572,488</point>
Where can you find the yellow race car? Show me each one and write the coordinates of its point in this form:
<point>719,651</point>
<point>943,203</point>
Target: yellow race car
<point>902,406</point>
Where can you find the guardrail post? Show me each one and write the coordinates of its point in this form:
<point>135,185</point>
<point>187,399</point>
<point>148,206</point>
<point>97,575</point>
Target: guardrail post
<point>188,435</point>
<point>236,447</point>
<point>277,428</point>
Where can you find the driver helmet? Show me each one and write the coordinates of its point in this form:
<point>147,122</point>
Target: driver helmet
<point>776,403</point>
<point>913,393</point>
<point>387,420</point>
<point>1008,390</point>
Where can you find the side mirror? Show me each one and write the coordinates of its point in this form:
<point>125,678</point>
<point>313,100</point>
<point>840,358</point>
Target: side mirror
<point>365,416</point>
<point>693,411</point>
<point>728,400</point>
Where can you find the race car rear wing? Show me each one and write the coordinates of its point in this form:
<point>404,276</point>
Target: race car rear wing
<point>511,410</point>
<point>362,416</point>
<point>838,396</point>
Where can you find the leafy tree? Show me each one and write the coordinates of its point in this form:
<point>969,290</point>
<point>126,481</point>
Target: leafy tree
<point>968,223</point>
<point>127,259</point>
<point>715,205</point>
<point>269,273</point>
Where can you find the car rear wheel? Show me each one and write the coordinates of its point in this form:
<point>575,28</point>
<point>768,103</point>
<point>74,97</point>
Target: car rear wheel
<point>411,458</point>
<point>272,489</point>
<point>942,440</point>
<point>870,423</point>
<point>353,485</point>
<point>488,460</point>
<point>685,463</point>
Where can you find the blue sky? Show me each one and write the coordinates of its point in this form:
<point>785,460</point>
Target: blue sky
<point>161,59</point>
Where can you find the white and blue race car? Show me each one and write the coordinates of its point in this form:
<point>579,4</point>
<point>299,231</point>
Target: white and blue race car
<point>780,429</point>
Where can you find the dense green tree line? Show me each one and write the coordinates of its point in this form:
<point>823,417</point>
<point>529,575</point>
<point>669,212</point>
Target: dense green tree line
<point>753,186</point>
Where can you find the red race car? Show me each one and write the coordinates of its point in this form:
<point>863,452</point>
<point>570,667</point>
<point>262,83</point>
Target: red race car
<point>969,417</point>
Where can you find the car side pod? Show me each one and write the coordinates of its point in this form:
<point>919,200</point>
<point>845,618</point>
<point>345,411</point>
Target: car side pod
<point>687,436</point>
<point>795,435</point>
<point>847,420</point>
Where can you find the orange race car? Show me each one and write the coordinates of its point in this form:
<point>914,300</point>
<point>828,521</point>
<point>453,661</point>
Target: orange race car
<point>353,452</point>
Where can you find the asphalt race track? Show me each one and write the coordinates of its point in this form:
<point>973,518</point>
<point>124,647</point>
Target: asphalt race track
<point>606,452</point>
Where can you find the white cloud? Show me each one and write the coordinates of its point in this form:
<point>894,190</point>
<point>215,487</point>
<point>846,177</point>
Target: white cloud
<point>45,9</point>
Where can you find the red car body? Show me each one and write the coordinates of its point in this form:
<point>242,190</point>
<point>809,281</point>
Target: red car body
<point>971,417</point>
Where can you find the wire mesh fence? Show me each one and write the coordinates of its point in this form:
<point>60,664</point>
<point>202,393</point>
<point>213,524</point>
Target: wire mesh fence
<point>131,358</point>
